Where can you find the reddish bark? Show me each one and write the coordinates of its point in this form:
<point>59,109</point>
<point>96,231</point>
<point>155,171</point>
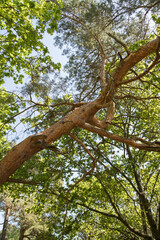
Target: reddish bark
<point>79,117</point>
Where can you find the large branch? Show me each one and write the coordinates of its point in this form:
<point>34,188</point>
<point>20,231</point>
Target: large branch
<point>155,62</point>
<point>125,65</point>
<point>135,57</point>
<point>148,146</point>
<point>35,143</point>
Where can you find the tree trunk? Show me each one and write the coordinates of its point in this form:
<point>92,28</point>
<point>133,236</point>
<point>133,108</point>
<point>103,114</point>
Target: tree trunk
<point>5,224</point>
<point>144,200</point>
<point>22,231</point>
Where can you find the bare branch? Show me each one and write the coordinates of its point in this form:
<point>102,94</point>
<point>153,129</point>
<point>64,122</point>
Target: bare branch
<point>16,116</point>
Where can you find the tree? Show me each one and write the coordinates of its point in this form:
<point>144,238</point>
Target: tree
<point>112,105</point>
<point>20,220</point>
<point>85,113</point>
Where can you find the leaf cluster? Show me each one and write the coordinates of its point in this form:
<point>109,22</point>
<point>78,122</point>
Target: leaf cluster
<point>22,25</point>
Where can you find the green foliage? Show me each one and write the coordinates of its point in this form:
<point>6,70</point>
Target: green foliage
<point>8,109</point>
<point>107,204</point>
<point>22,24</point>
<point>12,232</point>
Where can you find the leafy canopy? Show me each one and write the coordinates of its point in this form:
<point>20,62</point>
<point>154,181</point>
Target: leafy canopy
<point>22,25</point>
<point>92,186</point>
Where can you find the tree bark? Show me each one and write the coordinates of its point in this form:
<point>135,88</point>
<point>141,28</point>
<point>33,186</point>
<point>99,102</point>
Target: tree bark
<point>33,144</point>
<point>22,231</point>
<point>5,224</point>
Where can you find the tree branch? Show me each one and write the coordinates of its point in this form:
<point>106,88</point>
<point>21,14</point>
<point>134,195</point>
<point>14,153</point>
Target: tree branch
<point>155,62</point>
<point>119,215</point>
<point>152,147</point>
<point>137,98</point>
<point>143,198</point>
<point>23,181</point>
